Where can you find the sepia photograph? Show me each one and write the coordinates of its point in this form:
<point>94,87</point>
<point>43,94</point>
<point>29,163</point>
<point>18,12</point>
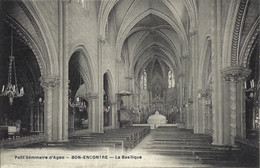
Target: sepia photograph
<point>129,83</point>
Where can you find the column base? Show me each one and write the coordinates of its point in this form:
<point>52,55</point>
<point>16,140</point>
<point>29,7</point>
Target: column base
<point>62,141</point>
<point>55,143</point>
<point>217,144</point>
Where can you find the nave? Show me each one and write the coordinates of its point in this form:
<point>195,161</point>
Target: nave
<point>78,76</point>
<point>134,147</point>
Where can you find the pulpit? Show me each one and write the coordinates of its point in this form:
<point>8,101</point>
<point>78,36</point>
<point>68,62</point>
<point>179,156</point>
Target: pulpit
<point>157,119</point>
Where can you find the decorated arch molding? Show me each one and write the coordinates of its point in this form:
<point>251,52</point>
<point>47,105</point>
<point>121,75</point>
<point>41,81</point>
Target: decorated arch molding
<point>237,32</point>
<point>28,40</point>
<point>43,35</point>
<point>228,31</point>
<point>249,44</point>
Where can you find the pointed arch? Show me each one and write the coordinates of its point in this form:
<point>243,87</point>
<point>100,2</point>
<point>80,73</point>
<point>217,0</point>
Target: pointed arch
<point>249,43</point>
<point>89,70</point>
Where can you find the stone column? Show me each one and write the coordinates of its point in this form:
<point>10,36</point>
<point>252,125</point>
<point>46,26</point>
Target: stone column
<point>202,98</point>
<point>90,114</point>
<point>186,59</point>
<point>100,114</point>
<point>193,36</point>
<point>180,78</point>
<point>209,119</point>
<point>41,117</point>
<point>72,118</point>
<point>93,121</point>
<point>114,114</point>
<point>31,116</point>
<point>49,83</point>
<point>151,97</point>
<point>189,124</point>
<point>61,94</point>
<point>218,135</point>
<point>38,117</point>
<point>65,105</point>
<point>235,75</point>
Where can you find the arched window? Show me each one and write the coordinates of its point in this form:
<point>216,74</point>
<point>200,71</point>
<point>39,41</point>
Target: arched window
<point>171,81</point>
<point>143,80</point>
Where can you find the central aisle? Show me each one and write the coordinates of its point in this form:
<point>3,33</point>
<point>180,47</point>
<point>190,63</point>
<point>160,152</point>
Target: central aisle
<point>152,157</point>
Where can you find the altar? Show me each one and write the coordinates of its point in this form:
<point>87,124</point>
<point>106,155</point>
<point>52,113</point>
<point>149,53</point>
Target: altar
<point>157,119</point>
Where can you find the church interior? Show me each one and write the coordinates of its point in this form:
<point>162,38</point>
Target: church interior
<point>175,82</point>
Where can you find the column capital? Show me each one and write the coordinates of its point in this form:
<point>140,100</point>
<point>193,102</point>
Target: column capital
<point>92,95</point>
<point>235,73</point>
<point>180,75</point>
<point>66,1</point>
<point>49,81</point>
<point>118,60</point>
<point>113,103</point>
<point>192,30</point>
<point>190,100</point>
<point>185,57</point>
<point>101,39</point>
<point>129,77</point>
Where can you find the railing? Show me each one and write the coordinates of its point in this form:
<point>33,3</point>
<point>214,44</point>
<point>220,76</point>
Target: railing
<point>22,141</point>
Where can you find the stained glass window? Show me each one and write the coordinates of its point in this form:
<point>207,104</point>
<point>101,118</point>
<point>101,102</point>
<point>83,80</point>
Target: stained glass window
<point>143,80</point>
<point>171,81</point>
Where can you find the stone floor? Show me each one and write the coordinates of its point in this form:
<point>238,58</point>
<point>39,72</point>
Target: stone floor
<point>164,147</point>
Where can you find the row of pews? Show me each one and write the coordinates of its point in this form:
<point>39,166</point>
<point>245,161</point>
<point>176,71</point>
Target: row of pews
<point>117,140</point>
<point>183,145</point>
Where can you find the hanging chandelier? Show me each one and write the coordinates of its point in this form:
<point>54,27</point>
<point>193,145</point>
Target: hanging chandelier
<point>78,104</point>
<point>12,90</point>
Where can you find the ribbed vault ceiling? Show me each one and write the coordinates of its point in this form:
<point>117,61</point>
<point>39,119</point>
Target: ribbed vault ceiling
<point>150,29</point>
